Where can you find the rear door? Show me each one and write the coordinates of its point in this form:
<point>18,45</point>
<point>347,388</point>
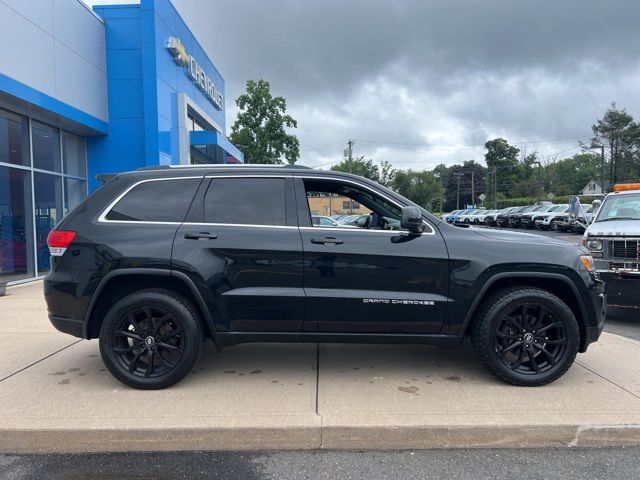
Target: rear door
<point>241,247</point>
<point>369,280</point>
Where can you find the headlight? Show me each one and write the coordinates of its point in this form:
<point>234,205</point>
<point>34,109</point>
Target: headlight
<point>594,245</point>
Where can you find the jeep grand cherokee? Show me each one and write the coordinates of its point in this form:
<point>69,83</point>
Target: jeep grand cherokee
<point>157,260</point>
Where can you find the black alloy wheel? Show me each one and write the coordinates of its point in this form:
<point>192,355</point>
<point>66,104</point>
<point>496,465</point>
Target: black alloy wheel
<point>528,340</point>
<point>525,335</point>
<point>148,341</point>
<point>151,339</point>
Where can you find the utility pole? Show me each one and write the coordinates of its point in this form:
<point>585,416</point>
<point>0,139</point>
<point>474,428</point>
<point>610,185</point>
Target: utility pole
<point>473,188</point>
<point>601,147</point>
<point>602,169</point>
<point>348,153</point>
<point>458,175</point>
<point>495,188</point>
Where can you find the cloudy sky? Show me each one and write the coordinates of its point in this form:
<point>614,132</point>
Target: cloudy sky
<point>421,82</point>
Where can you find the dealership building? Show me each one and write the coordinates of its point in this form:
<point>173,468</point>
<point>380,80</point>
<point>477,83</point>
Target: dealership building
<point>86,91</point>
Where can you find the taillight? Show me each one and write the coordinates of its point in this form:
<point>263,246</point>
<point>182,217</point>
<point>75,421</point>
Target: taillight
<point>59,240</point>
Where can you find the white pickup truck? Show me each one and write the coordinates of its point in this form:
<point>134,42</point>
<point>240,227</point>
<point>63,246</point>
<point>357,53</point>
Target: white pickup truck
<point>614,242</point>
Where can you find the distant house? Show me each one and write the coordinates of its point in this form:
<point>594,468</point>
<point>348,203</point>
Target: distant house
<point>592,189</point>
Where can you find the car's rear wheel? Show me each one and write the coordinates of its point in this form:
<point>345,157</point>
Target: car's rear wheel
<point>526,336</point>
<point>151,339</point>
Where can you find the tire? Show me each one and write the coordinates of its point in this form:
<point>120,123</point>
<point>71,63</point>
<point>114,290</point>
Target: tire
<point>156,325</point>
<point>495,331</point>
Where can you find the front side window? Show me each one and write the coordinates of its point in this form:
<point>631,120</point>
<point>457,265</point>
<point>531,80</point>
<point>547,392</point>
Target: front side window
<point>246,201</point>
<point>156,201</point>
<point>360,207</point>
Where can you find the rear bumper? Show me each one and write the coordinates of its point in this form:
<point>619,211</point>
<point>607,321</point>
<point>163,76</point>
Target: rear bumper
<point>77,328</point>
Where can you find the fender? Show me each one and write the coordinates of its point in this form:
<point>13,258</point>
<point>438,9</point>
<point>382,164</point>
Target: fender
<point>156,272</point>
<point>499,276</point>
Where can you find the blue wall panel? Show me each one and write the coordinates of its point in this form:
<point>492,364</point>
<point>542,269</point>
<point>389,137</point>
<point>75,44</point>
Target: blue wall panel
<point>143,84</point>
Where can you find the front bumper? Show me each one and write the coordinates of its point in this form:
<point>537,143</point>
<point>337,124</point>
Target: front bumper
<point>598,298</point>
<point>622,290</point>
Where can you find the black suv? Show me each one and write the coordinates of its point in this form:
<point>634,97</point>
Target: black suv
<point>157,260</point>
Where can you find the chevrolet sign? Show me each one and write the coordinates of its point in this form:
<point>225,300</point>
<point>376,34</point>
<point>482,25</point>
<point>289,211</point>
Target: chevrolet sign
<point>195,71</point>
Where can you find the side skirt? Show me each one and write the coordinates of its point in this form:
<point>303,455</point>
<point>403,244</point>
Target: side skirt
<point>234,338</point>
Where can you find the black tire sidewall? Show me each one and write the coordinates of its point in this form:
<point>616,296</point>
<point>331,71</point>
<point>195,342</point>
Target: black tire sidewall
<point>182,313</point>
<point>509,302</point>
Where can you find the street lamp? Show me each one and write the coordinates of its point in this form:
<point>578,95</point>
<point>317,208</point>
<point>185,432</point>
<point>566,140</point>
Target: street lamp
<point>601,147</point>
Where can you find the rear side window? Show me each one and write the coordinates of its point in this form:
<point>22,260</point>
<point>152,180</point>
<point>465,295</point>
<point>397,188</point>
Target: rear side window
<point>156,201</point>
<point>246,201</point>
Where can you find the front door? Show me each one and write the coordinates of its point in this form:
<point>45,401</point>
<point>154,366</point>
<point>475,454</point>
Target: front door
<point>367,275</point>
<point>241,247</point>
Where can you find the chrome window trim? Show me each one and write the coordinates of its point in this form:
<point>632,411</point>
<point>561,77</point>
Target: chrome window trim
<point>393,202</point>
<point>249,225</point>
<point>102,218</point>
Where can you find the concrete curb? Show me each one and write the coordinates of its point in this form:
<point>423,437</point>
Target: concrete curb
<point>306,438</point>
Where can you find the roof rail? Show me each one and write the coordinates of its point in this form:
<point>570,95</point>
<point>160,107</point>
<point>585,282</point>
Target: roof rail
<point>224,165</point>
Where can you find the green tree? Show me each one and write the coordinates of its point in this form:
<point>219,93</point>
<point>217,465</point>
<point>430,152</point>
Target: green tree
<point>422,187</point>
<point>387,173</point>
<point>569,175</point>
<point>504,158</point>
<point>260,131</point>
<point>618,132</point>
<point>359,166</point>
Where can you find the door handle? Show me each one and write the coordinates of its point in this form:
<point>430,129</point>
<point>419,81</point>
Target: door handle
<point>200,236</point>
<point>326,241</point>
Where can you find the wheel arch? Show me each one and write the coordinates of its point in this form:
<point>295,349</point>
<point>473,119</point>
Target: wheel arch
<point>560,285</point>
<point>119,283</point>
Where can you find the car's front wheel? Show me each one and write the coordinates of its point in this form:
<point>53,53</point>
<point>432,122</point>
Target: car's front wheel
<point>151,339</point>
<point>526,336</point>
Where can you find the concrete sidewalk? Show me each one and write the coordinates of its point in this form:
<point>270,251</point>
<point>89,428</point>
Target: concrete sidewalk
<point>56,396</point>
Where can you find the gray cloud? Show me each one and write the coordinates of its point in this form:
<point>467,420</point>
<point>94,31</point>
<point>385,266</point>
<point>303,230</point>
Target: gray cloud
<point>428,74</point>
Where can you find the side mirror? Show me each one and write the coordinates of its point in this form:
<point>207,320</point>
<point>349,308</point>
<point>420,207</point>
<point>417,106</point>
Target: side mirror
<point>412,220</point>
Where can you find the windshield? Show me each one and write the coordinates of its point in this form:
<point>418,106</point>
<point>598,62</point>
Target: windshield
<point>622,207</point>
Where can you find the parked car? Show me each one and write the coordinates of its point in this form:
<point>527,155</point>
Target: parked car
<point>551,219</point>
<point>325,221</point>
<point>502,220</point>
<point>469,216</point>
<point>492,218</point>
<point>354,221</point>
<point>453,216</point>
<point>614,241</point>
<point>527,219</point>
<point>513,219</point>
<point>581,222</point>
<point>156,260</point>
<point>481,217</point>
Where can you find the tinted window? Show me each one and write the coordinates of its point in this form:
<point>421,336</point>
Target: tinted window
<point>249,201</point>
<point>156,201</point>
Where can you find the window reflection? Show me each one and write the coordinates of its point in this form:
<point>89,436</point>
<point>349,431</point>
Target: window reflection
<point>16,227</point>
<point>46,147</point>
<point>48,212</point>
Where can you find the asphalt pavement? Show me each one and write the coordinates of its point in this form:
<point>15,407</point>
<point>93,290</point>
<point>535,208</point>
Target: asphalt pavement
<point>523,464</point>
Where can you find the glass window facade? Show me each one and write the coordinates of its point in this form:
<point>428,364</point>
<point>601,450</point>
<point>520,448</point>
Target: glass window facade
<point>43,174</point>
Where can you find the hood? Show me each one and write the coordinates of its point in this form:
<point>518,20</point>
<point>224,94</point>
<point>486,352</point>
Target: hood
<point>508,236</point>
<point>615,228</point>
